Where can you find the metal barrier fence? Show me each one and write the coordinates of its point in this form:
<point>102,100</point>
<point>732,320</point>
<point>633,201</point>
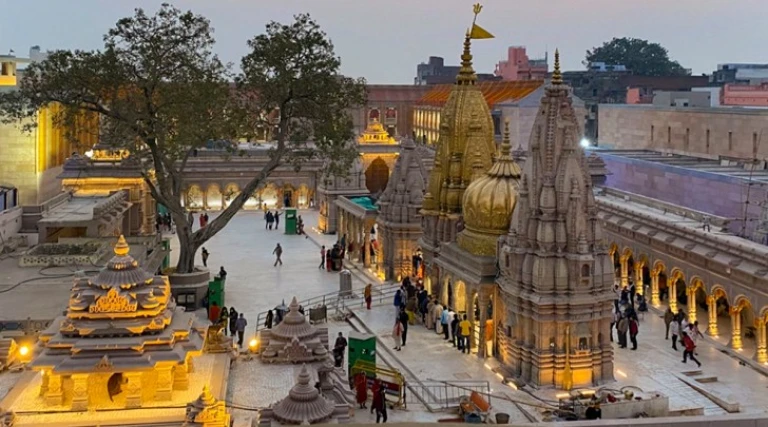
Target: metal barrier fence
<point>446,394</point>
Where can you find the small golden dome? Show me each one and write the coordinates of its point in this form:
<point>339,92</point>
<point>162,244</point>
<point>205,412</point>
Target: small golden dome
<point>489,202</point>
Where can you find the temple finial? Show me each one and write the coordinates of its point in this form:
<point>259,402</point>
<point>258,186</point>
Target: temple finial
<point>506,146</point>
<point>557,77</point>
<point>121,248</point>
<point>466,74</point>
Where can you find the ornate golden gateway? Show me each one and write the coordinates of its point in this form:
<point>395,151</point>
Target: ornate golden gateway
<point>113,302</point>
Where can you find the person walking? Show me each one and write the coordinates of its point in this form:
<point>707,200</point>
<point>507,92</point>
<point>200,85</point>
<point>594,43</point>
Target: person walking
<point>277,219</point>
<point>623,328</point>
<point>322,258</point>
<point>634,328</point>
<point>464,329</point>
<point>270,220</point>
<point>205,255</point>
<point>277,253</point>
<point>224,319</point>
<point>361,389</point>
<point>269,320</point>
<point>690,347</point>
<point>339,348</point>
<point>404,320</point>
<point>367,294</point>
<point>240,327</point>
<point>380,404</point>
<point>669,316</point>
<point>674,329</point>
<point>398,301</point>
<point>232,321</point>
<point>444,320</point>
<point>455,329</point>
<point>397,333</point>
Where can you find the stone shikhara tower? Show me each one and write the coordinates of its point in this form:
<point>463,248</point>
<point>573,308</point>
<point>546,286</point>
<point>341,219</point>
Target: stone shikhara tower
<point>557,277</point>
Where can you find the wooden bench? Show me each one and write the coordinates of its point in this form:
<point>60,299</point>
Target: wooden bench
<point>476,403</point>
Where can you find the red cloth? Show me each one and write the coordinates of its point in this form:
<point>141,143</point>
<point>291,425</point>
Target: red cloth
<point>377,397</point>
<point>633,327</point>
<point>213,313</point>
<point>361,388</point>
<point>688,343</point>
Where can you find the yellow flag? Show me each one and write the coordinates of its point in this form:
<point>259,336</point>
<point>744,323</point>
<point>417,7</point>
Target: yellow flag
<point>479,33</point>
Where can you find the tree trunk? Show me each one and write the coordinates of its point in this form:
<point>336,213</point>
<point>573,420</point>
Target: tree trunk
<point>187,246</point>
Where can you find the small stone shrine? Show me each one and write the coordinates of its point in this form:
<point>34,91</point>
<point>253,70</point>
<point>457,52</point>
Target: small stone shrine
<point>334,384</point>
<point>206,411</point>
<point>303,405</point>
<point>294,340</point>
<point>121,342</point>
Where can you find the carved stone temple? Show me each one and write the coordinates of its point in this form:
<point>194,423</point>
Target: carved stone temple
<point>303,405</point>
<point>121,339</point>
<point>557,277</point>
<point>294,340</point>
<point>399,220</point>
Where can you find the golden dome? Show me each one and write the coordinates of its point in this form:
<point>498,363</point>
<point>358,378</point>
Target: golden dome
<point>489,202</point>
<point>376,134</point>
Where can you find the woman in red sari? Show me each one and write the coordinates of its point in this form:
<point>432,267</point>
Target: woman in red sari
<point>361,389</point>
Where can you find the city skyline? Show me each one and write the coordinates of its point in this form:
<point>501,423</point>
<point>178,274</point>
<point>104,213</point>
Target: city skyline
<point>385,41</point>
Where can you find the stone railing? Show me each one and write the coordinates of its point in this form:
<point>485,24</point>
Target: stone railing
<point>25,327</point>
<point>57,254</point>
<point>110,203</point>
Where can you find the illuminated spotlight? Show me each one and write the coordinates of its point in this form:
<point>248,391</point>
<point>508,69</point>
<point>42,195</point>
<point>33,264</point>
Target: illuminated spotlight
<point>23,351</point>
<point>89,153</point>
<point>253,344</point>
<point>585,143</point>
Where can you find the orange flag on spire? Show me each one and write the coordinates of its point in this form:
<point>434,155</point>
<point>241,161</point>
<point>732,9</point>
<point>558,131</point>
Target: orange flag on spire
<point>479,32</point>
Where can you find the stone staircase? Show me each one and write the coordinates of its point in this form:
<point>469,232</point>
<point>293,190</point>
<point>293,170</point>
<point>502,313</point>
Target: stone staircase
<point>706,385</point>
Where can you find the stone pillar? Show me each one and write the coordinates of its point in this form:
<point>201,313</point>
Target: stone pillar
<point>761,355</point>
<point>736,342</point>
<point>79,392</point>
<point>367,237</point>
<point>672,289</point>
<point>164,385</point>
<point>54,395</point>
<point>639,285</point>
<point>691,291</point>
<point>624,261</point>
<point>46,376</point>
<point>655,300</point>
<point>180,377</point>
<point>132,389</point>
<point>712,311</point>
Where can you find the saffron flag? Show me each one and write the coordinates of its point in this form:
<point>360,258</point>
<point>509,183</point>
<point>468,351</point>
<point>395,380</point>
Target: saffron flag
<point>479,32</point>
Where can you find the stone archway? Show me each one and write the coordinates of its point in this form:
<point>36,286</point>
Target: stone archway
<point>446,297</point>
<point>626,263</point>
<point>718,307</point>
<point>302,197</point>
<point>642,274</point>
<point>214,199</point>
<point>461,297</point>
<point>742,322</point>
<point>194,197</point>
<point>693,294</point>
<point>658,283</point>
<point>676,287</point>
<point>613,252</point>
<point>377,176</point>
<point>231,191</point>
<point>761,353</point>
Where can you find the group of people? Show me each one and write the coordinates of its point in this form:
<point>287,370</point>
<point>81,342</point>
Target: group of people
<point>688,333</point>
<point>378,396</point>
<point>332,259</point>
<point>230,321</point>
<point>625,314</point>
<point>412,302</point>
<point>272,218</point>
<point>164,223</point>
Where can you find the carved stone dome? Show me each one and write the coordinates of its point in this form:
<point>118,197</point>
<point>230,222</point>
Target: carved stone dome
<point>489,202</point>
<point>304,403</point>
<point>294,324</point>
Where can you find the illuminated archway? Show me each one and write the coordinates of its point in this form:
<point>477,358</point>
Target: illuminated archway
<point>214,197</point>
<point>696,294</point>
<point>658,283</point>
<point>231,191</point>
<point>302,197</point>
<point>377,176</point>
<point>446,297</point>
<point>461,297</point>
<point>676,288</point>
<point>742,322</point>
<point>194,197</point>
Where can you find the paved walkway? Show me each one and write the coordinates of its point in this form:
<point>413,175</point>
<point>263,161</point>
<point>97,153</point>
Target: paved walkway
<point>244,247</point>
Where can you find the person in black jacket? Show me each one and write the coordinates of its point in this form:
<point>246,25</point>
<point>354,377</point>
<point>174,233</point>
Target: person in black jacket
<point>403,316</point>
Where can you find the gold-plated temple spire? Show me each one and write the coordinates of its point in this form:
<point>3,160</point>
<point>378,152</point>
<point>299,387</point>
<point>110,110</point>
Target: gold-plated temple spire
<point>506,146</point>
<point>121,248</point>
<point>557,77</point>
<point>466,74</point>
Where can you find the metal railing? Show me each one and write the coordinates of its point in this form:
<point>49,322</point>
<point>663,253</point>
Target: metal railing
<point>338,304</point>
<point>446,394</point>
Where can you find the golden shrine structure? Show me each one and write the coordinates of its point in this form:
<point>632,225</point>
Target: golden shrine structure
<point>121,340</point>
<point>379,152</point>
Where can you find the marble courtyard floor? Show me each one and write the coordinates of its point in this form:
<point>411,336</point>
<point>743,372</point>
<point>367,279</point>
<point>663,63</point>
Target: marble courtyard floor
<point>254,285</point>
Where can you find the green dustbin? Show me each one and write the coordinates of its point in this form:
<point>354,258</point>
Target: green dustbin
<point>290,220</point>
<point>361,347</point>
<point>216,291</point>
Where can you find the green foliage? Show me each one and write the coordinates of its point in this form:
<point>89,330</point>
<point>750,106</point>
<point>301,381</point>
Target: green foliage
<point>160,92</point>
<point>292,70</point>
<point>642,57</point>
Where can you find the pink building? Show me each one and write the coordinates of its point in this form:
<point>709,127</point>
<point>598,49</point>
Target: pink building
<point>519,67</point>
<point>745,95</point>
